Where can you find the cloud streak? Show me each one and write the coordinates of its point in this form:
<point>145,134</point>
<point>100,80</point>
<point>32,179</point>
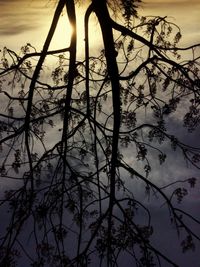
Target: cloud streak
<point>18,17</point>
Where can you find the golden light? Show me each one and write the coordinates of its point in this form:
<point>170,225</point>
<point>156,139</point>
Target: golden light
<point>64,30</point>
<point>62,33</point>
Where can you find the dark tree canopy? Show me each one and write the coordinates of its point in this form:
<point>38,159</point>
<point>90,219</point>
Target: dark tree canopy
<point>79,139</point>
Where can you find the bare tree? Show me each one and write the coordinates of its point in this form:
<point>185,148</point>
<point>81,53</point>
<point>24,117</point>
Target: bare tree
<point>66,141</point>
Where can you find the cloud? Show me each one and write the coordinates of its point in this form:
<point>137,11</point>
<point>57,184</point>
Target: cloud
<point>16,29</point>
<point>171,2</point>
<point>19,17</point>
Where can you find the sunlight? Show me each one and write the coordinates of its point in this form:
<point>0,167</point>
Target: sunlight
<point>62,34</point>
<point>64,30</point>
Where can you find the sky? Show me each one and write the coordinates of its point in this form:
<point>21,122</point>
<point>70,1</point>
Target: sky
<point>185,13</point>
<point>23,21</point>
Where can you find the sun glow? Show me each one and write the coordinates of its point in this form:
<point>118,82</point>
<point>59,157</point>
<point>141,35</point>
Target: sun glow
<point>63,33</point>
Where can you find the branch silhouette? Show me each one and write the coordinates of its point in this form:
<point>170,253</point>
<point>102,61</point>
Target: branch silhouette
<point>79,137</point>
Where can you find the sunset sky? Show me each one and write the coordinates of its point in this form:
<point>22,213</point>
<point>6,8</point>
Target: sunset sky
<point>28,21</point>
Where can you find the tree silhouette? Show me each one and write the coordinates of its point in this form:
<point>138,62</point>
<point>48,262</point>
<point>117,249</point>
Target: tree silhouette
<point>66,142</point>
